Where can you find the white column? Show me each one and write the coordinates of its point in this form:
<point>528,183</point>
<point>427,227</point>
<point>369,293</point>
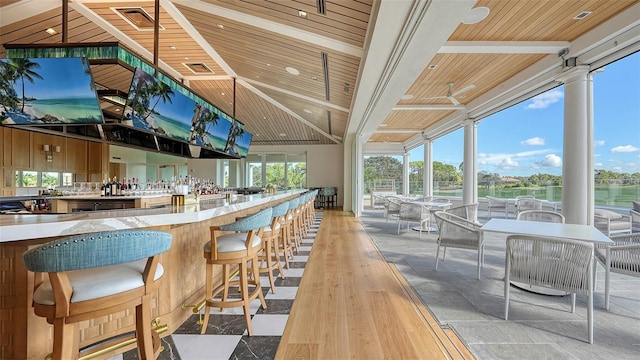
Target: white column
<point>577,162</point>
<point>469,166</point>
<point>427,178</point>
<point>405,173</point>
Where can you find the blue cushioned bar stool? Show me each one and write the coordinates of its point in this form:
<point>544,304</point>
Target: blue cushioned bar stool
<point>237,248</point>
<point>271,241</point>
<point>94,275</point>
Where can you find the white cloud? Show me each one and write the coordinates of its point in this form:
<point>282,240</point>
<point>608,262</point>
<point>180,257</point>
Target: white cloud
<point>533,141</point>
<point>624,149</point>
<point>552,160</point>
<point>597,164</point>
<point>597,155</point>
<point>545,99</point>
<point>508,163</point>
<point>598,143</point>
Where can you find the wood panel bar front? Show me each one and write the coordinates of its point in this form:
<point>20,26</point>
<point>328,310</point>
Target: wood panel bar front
<point>23,335</point>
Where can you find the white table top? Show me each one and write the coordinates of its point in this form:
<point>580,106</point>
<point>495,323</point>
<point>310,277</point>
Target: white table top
<point>586,233</point>
<point>432,204</point>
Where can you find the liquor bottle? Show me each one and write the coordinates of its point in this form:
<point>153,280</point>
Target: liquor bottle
<point>107,188</point>
<point>123,188</point>
<point>102,189</point>
<point>114,186</point>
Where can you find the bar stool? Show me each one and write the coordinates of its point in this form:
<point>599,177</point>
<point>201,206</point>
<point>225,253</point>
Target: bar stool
<point>97,274</point>
<point>235,249</point>
<point>292,223</point>
<point>297,224</point>
<point>286,222</point>
<point>271,240</point>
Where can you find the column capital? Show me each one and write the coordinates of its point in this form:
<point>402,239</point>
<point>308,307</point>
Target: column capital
<point>576,73</point>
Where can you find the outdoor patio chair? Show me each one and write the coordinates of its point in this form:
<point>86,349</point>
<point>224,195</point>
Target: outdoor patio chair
<point>413,213</point>
<point>560,264</point>
<point>456,232</point>
<point>611,222</point>
<point>524,203</point>
<point>392,207</point>
<point>623,257</point>
<point>494,203</point>
<point>634,213</point>
<point>467,211</point>
<point>541,215</point>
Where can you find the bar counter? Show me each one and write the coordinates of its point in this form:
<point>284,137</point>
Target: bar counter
<point>23,335</point>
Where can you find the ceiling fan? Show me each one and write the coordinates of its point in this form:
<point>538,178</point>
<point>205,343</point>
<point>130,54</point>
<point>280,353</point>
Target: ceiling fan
<point>452,95</point>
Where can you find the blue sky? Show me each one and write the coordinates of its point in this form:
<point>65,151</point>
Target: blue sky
<point>527,138</point>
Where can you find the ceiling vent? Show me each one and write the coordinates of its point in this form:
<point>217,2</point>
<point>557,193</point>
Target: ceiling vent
<point>322,7</point>
<point>582,15</point>
<point>137,17</point>
<point>199,68</point>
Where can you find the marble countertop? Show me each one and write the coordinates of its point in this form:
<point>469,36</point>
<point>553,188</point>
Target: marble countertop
<point>98,197</point>
<point>34,226</point>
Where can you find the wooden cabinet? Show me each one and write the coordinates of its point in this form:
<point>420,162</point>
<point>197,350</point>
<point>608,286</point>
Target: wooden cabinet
<point>75,153</point>
<point>6,146</point>
<point>40,157</point>
<point>20,149</point>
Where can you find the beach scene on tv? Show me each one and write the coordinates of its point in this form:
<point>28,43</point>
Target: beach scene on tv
<point>154,106</point>
<point>210,129</point>
<point>239,141</point>
<point>48,91</point>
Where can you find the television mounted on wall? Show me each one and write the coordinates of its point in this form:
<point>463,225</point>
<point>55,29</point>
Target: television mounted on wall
<point>48,91</point>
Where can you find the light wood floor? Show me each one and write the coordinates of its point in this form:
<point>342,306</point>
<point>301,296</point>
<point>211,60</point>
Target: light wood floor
<point>351,304</point>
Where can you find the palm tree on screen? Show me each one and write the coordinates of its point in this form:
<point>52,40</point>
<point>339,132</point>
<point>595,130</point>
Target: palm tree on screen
<point>24,70</point>
<point>163,92</point>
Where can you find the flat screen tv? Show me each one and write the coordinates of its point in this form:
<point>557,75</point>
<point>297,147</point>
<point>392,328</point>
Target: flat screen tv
<point>154,106</point>
<point>239,141</point>
<point>210,128</point>
<point>48,91</point>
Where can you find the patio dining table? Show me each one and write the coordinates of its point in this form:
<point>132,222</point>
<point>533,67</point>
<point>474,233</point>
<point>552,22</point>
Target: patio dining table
<point>432,206</point>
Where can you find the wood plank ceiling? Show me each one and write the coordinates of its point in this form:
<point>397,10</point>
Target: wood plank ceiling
<point>289,69</point>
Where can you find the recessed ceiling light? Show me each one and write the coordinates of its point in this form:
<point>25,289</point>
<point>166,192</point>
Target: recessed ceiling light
<point>220,26</point>
<point>264,118</point>
<point>291,70</point>
<point>283,134</point>
<point>383,125</point>
<point>582,15</point>
<point>223,94</point>
<point>268,64</point>
<point>433,66</point>
<point>172,47</point>
<point>51,31</point>
<point>475,15</point>
<point>308,111</point>
<point>186,58</point>
<point>314,78</point>
<point>407,97</point>
<point>302,14</point>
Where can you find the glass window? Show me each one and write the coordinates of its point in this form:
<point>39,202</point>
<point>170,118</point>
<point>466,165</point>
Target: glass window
<point>50,179</point>
<point>275,166</point>
<point>296,171</point>
<point>254,170</point>
<point>67,179</point>
<point>26,178</point>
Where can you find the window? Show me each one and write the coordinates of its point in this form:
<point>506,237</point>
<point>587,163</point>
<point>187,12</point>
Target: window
<point>283,171</point>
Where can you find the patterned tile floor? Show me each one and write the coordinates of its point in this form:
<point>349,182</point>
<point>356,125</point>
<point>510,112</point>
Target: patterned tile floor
<point>226,336</point>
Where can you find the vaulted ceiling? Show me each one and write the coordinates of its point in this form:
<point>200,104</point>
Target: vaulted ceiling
<point>301,72</point>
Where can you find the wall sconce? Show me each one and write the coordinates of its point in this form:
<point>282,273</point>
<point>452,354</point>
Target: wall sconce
<point>49,150</point>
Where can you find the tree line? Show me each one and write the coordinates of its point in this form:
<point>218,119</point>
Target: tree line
<point>386,167</point>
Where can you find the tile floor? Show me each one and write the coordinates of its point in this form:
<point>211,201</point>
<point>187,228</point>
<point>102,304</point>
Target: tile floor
<point>226,336</point>
<point>539,326</point>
